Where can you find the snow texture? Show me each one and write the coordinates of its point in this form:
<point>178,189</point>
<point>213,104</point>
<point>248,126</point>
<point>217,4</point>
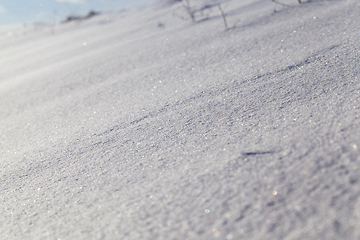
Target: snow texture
<point>142,124</point>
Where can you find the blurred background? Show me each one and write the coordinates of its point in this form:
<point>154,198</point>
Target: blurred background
<point>15,13</point>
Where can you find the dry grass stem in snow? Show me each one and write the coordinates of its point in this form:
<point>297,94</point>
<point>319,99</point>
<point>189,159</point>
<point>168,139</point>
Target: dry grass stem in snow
<point>189,9</point>
<point>223,16</point>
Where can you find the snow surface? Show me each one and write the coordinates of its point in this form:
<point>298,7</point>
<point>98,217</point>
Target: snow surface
<point>143,125</point>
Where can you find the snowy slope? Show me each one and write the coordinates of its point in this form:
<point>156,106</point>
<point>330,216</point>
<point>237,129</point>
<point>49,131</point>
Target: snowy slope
<point>142,125</point>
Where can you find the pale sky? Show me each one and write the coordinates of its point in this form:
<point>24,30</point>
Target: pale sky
<point>29,11</point>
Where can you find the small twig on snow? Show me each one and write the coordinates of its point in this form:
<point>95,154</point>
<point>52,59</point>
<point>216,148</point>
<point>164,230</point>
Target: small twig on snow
<point>283,4</point>
<point>223,16</point>
<point>189,9</point>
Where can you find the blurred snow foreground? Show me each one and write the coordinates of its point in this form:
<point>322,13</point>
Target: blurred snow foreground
<point>143,124</point>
